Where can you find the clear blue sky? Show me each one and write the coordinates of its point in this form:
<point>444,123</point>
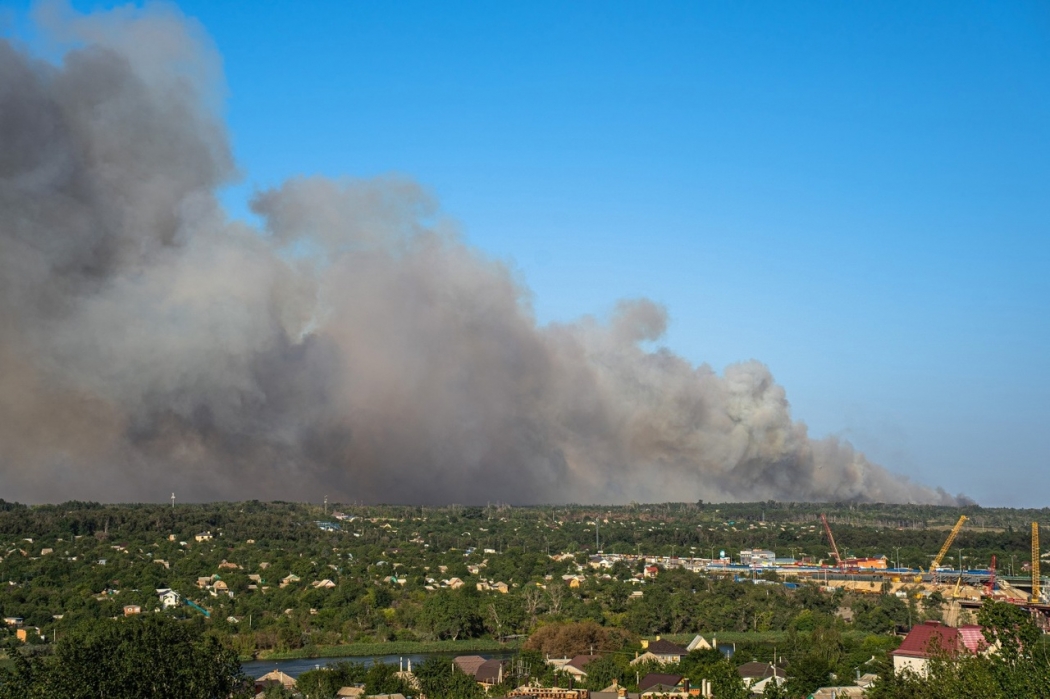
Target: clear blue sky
<point>856,194</point>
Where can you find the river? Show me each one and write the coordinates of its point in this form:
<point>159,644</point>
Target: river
<point>258,668</point>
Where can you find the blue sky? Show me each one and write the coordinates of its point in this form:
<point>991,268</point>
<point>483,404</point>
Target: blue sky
<point>856,194</point>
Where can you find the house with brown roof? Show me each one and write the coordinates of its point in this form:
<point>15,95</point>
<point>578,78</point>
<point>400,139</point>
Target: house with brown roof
<point>757,675</point>
<point>490,673</point>
<point>485,672</point>
<point>577,666</point>
<point>659,684</point>
<point>664,651</point>
<point>468,664</point>
<point>934,639</point>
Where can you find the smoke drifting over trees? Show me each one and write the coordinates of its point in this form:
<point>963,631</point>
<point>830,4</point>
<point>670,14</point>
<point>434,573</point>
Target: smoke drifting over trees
<point>354,346</point>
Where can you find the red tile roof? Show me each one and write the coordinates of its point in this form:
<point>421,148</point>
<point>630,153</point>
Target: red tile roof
<point>933,637</point>
<point>973,638</point>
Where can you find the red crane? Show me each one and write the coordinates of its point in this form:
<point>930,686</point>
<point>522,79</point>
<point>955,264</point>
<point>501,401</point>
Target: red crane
<point>831,538</point>
<point>989,586</point>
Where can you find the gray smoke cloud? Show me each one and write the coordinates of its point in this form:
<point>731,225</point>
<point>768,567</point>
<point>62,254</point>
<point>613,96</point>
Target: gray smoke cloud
<point>354,346</point>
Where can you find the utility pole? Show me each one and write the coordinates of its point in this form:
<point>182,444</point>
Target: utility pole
<point>325,505</point>
<point>173,501</point>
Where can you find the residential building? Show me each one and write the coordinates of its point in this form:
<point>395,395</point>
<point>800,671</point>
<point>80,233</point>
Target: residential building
<point>701,643</point>
<point>169,598</point>
<point>932,639</point>
<point>757,675</point>
<point>490,673</point>
<point>659,684</point>
<point>275,677</point>
<point>577,666</point>
<point>468,664</point>
<point>665,651</point>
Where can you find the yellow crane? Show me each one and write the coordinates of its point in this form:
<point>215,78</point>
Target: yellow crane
<point>944,549</point>
<point>1035,563</point>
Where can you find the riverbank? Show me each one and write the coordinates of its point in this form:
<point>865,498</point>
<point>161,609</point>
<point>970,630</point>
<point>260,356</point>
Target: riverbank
<point>389,648</point>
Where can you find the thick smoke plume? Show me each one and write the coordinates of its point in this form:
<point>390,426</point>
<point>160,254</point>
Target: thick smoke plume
<point>354,347</point>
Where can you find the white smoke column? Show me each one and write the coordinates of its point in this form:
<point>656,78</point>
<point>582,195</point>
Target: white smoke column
<point>349,348</point>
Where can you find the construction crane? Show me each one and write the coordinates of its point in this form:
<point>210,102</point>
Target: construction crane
<point>834,549</point>
<point>944,549</point>
<point>989,585</point>
<point>1035,564</point>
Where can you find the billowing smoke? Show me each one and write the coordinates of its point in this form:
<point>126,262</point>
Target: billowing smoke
<point>354,347</point>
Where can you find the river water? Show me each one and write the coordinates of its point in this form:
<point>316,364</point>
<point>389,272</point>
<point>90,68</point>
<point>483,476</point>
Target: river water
<point>258,668</point>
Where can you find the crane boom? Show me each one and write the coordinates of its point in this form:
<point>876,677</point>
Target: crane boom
<point>947,543</point>
<point>944,549</point>
<point>1035,564</point>
<point>831,539</point>
<point>990,585</point>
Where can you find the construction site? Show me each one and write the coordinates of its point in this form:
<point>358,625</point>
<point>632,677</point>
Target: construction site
<point>963,591</point>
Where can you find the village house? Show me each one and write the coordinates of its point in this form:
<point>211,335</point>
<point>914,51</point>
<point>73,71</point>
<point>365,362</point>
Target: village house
<point>665,651</point>
<point>275,677</point>
<point>132,609</point>
<point>656,684</point>
<point>490,673</point>
<point>468,664</point>
<point>757,675</point>
<point>701,643</point>
<point>932,639</point>
<point>169,598</point>
<point>350,693</point>
<point>577,666</point>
